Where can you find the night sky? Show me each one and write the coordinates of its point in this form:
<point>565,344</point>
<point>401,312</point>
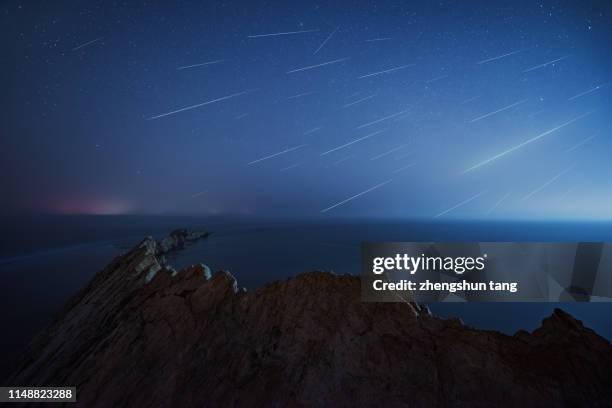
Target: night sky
<point>469,110</point>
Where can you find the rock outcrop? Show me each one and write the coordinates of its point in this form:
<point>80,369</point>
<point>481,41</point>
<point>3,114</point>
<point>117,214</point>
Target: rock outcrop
<point>178,239</point>
<point>191,339</point>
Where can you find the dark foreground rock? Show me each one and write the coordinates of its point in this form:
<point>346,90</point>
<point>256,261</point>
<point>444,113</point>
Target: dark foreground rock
<point>178,239</point>
<point>190,339</point>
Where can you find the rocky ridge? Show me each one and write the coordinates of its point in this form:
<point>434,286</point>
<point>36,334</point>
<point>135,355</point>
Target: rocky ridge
<point>142,334</point>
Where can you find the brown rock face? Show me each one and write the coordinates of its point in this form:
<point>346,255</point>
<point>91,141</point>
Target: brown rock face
<point>191,339</point>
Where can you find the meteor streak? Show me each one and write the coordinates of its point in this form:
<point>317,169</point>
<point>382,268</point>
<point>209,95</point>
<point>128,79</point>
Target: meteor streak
<point>276,154</point>
<point>284,33</point>
<point>598,87</point>
<point>526,142</point>
<point>186,108</point>
<point>356,195</point>
<point>501,200</point>
<point>379,39</point>
<point>498,111</point>
<point>499,57</point>
<point>545,64</point>
<point>78,47</point>
<point>317,66</point>
<point>293,166</point>
<point>566,193</point>
<point>300,95</point>
<point>460,204</point>
<point>200,65</point>
<point>326,40</point>
<point>312,131</point>
<point>470,99</point>
<point>549,182</point>
<point>386,71</point>
<point>571,149</point>
<point>382,119</point>
<point>429,81</point>
<point>404,167</point>
<point>352,142</point>
<point>388,152</point>
<point>358,101</point>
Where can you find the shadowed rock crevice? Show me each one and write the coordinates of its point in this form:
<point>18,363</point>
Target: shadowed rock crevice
<point>141,334</point>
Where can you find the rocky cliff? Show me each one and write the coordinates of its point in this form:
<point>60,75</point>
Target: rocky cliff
<point>141,334</point>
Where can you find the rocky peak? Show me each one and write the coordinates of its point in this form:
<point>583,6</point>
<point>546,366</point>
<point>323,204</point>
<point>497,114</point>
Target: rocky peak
<point>178,239</point>
<point>560,320</point>
<point>142,334</point>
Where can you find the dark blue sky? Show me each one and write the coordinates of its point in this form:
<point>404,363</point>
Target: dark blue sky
<point>449,109</point>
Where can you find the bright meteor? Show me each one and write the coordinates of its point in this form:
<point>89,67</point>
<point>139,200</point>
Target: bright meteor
<point>356,195</point>
<point>526,142</point>
<point>186,108</point>
<point>598,87</point>
<point>276,154</point>
<point>499,57</point>
<point>316,66</point>
<point>546,64</point>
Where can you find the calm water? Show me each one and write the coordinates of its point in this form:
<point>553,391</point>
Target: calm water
<point>44,260</point>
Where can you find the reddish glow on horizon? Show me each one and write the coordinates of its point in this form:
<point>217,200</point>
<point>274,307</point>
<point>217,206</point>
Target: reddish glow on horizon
<point>87,205</point>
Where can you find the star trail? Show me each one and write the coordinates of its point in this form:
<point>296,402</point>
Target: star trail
<point>253,109</point>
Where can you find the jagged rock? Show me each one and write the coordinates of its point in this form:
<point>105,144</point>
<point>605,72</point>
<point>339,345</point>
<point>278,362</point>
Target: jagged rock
<point>193,339</point>
<point>178,239</point>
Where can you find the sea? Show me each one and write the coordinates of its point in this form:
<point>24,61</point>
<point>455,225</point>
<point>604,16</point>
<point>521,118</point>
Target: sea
<point>45,259</point>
